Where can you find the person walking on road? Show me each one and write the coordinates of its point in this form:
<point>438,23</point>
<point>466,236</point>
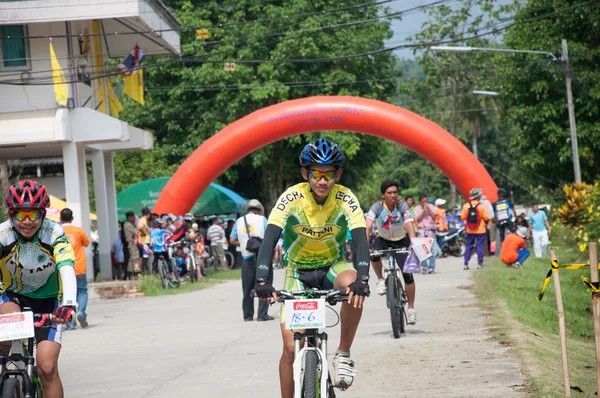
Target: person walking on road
<point>143,230</point>
<point>216,234</point>
<point>131,236</point>
<point>254,223</point>
<point>426,215</point>
<point>475,215</point>
<point>78,240</point>
<point>540,230</point>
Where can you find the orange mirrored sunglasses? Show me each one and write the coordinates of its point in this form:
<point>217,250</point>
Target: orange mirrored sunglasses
<point>21,215</point>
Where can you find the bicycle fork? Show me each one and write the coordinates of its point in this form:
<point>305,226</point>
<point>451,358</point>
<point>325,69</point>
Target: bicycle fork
<point>311,336</point>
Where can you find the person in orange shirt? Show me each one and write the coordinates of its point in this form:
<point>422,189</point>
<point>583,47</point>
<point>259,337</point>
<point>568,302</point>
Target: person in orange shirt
<point>514,248</point>
<point>78,239</point>
<point>441,221</point>
<point>475,216</point>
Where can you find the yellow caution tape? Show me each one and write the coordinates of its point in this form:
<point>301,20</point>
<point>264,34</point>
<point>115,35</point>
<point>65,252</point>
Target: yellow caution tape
<point>586,281</point>
<point>555,267</point>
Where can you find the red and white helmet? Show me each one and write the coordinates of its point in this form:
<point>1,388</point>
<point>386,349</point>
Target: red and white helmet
<point>27,194</point>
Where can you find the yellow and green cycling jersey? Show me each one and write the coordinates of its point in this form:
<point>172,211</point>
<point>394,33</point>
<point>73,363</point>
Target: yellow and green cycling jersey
<point>31,268</point>
<point>314,235</point>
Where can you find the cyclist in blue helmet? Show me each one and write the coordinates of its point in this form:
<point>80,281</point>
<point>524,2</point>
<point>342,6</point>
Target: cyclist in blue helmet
<point>315,216</point>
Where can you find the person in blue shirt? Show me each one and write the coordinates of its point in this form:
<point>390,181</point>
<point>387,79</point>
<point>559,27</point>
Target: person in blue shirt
<point>180,262</point>
<point>159,238</point>
<point>540,230</point>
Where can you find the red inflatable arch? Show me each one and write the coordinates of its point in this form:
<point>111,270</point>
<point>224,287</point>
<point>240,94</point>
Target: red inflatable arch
<point>313,114</point>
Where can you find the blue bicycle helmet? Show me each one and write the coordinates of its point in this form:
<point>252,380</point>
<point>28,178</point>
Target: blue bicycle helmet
<point>321,151</point>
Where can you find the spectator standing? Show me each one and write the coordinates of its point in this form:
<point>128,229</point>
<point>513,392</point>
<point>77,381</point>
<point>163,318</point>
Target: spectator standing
<point>131,237</point>
<point>540,230</point>
<point>78,240</point>
<point>216,234</point>
<point>159,238</point>
<point>253,223</point>
<point>490,233</point>
<point>143,231</point>
<point>425,216</point>
<point>475,216</point>
<point>117,255</point>
<point>514,248</point>
<point>442,221</point>
<point>502,211</point>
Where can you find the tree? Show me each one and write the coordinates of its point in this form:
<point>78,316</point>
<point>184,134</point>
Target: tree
<point>191,100</point>
<point>535,89</point>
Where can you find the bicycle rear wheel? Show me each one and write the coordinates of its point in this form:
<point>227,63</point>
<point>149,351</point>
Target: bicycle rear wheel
<point>11,388</point>
<point>191,267</point>
<point>394,304</point>
<point>310,385</point>
<point>163,273</point>
<point>229,259</point>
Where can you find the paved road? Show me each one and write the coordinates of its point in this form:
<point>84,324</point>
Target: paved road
<point>196,344</point>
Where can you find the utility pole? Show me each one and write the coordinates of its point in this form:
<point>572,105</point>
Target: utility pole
<point>573,127</point>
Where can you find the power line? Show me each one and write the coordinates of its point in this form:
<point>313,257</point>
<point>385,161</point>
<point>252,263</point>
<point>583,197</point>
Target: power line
<point>344,57</point>
<point>218,26</point>
<point>271,33</point>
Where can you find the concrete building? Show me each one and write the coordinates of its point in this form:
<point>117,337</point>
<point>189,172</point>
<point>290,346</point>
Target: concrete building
<point>35,131</point>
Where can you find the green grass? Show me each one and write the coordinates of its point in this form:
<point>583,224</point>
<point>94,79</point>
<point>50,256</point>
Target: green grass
<point>531,326</point>
<point>150,285</point>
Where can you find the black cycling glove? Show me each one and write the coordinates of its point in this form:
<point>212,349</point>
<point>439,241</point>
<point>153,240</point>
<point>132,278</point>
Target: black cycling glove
<point>264,291</point>
<point>360,288</point>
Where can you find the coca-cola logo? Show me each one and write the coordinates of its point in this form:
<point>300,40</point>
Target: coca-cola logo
<point>12,318</point>
<point>306,305</point>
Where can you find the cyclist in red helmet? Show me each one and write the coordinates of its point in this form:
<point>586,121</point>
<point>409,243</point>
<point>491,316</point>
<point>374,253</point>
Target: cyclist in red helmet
<point>37,271</point>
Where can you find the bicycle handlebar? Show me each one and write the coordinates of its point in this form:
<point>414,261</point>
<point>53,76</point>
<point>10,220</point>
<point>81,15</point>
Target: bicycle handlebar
<point>332,296</point>
<point>378,253</point>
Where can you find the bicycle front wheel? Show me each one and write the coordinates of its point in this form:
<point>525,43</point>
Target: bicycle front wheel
<point>11,388</point>
<point>395,305</point>
<point>310,385</point>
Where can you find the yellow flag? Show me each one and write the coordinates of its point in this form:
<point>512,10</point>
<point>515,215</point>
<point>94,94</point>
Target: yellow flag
<point>113,102</point>
<point>61,90</point>
<point>134,86</point>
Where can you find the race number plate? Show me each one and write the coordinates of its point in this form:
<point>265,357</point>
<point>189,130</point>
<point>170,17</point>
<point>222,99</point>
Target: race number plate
<point>16,326</point>
<point>305,314</point>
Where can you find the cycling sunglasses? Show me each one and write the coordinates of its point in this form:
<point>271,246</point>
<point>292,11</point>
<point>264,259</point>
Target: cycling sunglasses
<point>317,175</point>
<point>20,215</point>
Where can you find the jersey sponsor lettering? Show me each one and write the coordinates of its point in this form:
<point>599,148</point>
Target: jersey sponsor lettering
<point>344,197</point>
<point>288,198</point>
<point>321,233</point>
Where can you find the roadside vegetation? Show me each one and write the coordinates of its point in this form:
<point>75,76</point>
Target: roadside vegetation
<point>150,285</point>
<point>518,319</point>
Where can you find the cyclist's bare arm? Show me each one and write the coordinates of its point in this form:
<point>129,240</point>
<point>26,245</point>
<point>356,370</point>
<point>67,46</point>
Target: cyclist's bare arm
<point>410,229</point>
<point>234,241</point>
<point>369,223</point>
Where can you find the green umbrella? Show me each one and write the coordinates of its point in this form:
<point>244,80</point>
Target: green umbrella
<point>216,199</point>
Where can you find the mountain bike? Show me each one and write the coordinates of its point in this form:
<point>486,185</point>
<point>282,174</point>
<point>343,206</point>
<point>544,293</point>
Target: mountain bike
<point>167,278</point>
<point>18,373</point>
<point>395,293</point>
<point>311,369</point>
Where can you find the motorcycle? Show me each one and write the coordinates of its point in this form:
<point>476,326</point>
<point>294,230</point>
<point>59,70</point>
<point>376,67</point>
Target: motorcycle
<point>453,241</point>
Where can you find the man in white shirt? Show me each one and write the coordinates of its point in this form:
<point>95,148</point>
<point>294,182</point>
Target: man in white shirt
<point>216,234</point>
<point>255,221</point>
